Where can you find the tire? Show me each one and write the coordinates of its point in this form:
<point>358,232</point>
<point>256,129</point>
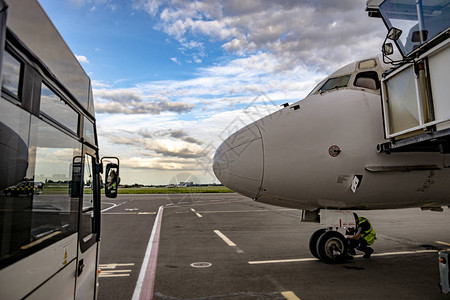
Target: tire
<point>313,242</point>
<point>8,194</point>
<point>331,246</point>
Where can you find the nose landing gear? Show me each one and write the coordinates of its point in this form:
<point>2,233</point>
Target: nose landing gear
<point>328,246</point>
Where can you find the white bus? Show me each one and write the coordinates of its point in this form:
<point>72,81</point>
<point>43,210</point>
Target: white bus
<point>49,166</point>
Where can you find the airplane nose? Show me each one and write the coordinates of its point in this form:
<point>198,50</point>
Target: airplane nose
<point>238,162</point>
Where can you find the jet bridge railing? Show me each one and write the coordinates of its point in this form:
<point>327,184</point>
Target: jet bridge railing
<point>416,96</point>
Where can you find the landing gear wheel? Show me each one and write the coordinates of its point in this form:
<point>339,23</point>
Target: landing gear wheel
<point>313,242</point>
<point>331,246</point>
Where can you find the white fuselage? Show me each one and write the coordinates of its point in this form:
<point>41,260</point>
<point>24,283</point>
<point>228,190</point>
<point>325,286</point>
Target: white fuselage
<point>308,157</point>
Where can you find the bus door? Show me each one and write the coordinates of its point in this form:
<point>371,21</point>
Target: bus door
<point>89,227</point>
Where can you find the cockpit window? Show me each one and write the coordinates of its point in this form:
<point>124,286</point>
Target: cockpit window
<point>335,83</point>
<point>367,80</point>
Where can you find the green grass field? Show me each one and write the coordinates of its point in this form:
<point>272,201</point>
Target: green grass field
<point>63,189</point>
<point>179,190</point>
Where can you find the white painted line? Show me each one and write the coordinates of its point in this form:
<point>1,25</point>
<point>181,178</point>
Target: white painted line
<point>281,261</point>
<point>114,205</point>
<point>290,295</point>
<point>146,281</point>
<point>113,275</point>
<point>196,213</point>
<point>357,256</point>
<point>225,239</point>
<point>116,271</point>
<point>111,207</point>
<point>130,213</point>
<point>443,243</point>
<point>245,211</point>
<point>113,266</point>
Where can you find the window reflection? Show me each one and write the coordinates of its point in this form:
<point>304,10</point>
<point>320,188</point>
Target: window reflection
<point>54,107</point>
<point>87,221</point>
<point>11,74</point>
<point>89,130</point>
<point>42,205</point>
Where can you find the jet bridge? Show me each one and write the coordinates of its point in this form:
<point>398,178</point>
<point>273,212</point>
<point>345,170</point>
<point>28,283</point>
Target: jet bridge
<point>416,91</point>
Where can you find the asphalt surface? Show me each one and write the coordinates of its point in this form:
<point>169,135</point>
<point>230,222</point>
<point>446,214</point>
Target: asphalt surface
<point>225,246</point>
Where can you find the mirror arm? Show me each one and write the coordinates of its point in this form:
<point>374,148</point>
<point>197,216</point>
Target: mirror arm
<point>99,168</point>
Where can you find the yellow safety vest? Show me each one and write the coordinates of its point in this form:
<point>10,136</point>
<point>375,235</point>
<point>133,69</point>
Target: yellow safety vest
<point>369,235</point>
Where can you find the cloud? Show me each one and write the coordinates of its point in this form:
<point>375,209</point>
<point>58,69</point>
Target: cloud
<point>320,34</point>
<point>134,107</point>
<point>175,60</point>
<point>82,58</point>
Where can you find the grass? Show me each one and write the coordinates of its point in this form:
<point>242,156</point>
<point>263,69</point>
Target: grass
<point>180,190</point>
<point>61,189</point>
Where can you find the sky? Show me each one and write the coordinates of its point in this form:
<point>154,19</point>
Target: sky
<point>173,78</point>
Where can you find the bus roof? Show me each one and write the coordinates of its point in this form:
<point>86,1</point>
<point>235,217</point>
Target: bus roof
<point>28,21</point>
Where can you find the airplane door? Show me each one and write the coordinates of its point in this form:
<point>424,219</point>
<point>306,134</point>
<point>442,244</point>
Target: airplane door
<point>89,228</point>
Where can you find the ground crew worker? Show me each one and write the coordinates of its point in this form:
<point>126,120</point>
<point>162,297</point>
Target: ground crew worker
<point>362,237</point>
<point>111,182</point>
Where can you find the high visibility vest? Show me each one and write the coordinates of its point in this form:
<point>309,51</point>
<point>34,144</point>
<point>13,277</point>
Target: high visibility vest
<point>369,235</point>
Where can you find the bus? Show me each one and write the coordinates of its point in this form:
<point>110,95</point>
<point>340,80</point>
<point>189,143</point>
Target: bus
<point>49,163</point>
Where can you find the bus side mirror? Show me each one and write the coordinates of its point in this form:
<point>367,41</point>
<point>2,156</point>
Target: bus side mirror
<point>394,34</point>
<point>112,180</point>
<point>388,49</point>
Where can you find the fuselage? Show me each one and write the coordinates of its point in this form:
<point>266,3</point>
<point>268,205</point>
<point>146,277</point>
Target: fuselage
<point>308,154</point>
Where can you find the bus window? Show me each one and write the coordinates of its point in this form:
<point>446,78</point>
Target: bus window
<point>43,211</point>
<point>54,107</point>
<point>89,133</point>
<point>11,75</point>
<point>87,217</point>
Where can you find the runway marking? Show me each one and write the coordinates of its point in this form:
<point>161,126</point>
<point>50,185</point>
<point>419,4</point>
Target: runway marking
<point>198,215</point>
<point>443,243</point>
<point>146,281</point>
<point>131,213</point>
<point>281,261</point>
<point>356,256</point>
<point>244,211</point>
<point>228,241</point>
<point>289,295</point>
<point>109,270</point>
<point>114,206</point>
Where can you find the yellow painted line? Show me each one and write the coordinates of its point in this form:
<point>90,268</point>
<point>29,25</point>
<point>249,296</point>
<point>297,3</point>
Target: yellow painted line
<point>289,295</point>
<point>443,243</point>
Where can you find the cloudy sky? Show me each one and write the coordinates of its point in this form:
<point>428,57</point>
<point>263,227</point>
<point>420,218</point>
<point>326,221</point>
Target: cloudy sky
<point>173,78</point>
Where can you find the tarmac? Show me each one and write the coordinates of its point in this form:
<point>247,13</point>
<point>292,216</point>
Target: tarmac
<point>226,246</point>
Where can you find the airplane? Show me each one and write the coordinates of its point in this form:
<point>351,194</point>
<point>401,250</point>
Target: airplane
<point>320,153</point>
<point>372,135</point>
